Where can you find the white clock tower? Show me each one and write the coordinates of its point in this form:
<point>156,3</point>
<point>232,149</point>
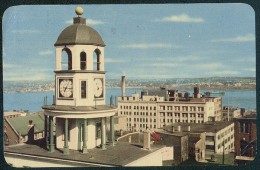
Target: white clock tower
<point>79,108</point>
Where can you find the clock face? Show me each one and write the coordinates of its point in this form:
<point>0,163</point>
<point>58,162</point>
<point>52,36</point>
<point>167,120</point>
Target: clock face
<point>65,88</point>
<point>98,88</point>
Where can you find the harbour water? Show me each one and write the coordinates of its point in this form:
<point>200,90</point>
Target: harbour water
<point>33,101</point>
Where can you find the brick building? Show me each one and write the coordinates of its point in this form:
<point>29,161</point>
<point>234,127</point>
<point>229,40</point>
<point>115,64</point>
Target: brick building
<point>245,139</point>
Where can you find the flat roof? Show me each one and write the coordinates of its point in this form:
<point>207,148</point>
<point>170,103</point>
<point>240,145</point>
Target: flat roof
<point>79,108</point>
<point>179,134</point>
<point>199,127</point>
<point>121,154</point>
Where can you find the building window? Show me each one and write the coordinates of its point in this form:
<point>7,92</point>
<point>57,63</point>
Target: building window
<point>83,89</point>
<point>66,60</point>
<point>97,63</point>
<point>244,128</point>
<point>83,61</point>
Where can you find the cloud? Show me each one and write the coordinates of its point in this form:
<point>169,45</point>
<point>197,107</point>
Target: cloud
<point>20,74</point>
<point>250,69</point>
<point>7,66</point>
<point>24,77</point>
<point>226,72</point>
<point>209,66</point>
<point>94,22</point>
<point>184,18</point>
<point>88,22</point>
<point>25,31</point>
<point>147,46</point>
<point>46,52</point>
<point>239,38</point>
<point>114,60</point>
<point>164,64</point>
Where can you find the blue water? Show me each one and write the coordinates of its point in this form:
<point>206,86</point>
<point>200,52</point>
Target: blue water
<point>33,101</point>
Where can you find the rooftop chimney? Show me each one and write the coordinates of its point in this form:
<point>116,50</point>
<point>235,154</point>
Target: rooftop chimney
<point>30,132</point>
<point>196,92</point>
<point>188,128</point>
<point>172,128</point>
<point>147,139</point>
<point>179,128</point>
<point>123,85</point>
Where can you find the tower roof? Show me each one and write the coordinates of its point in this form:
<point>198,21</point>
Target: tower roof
<point>79,33</point>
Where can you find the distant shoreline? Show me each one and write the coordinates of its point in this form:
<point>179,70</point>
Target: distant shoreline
<point>188,87</point>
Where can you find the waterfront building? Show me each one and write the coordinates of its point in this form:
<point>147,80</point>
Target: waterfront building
<point>245,139</point>
<point>154,111</point>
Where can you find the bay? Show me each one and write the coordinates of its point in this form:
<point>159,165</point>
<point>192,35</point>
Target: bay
<point>33,101</point>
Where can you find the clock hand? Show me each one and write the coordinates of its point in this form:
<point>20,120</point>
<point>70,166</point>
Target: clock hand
<point>66,86</point>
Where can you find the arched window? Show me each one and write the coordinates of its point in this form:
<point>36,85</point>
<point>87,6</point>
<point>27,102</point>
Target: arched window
<point>83,61</point>
<point>66,60</point>
<point>96,59</point>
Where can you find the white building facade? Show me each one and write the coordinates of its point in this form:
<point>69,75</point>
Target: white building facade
<point>79,111</point>
<point>154,112</point>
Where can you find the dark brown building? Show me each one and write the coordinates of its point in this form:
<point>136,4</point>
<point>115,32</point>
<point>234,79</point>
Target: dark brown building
<point>179,142</point>
<point>245,139</point>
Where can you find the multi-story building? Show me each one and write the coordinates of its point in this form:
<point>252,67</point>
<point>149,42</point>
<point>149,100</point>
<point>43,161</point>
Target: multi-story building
<point>229,113</point>
<point>245,139</point>
<point>155,111</point>
<point>217,134</point>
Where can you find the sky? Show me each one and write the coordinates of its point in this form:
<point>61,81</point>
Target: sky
<point>149,41</point>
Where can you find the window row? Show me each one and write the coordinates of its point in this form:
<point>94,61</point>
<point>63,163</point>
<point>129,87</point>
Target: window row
<point>182,114</point>
<point>66,60</point>
<point>182,108</point>
<point>140,125</point>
